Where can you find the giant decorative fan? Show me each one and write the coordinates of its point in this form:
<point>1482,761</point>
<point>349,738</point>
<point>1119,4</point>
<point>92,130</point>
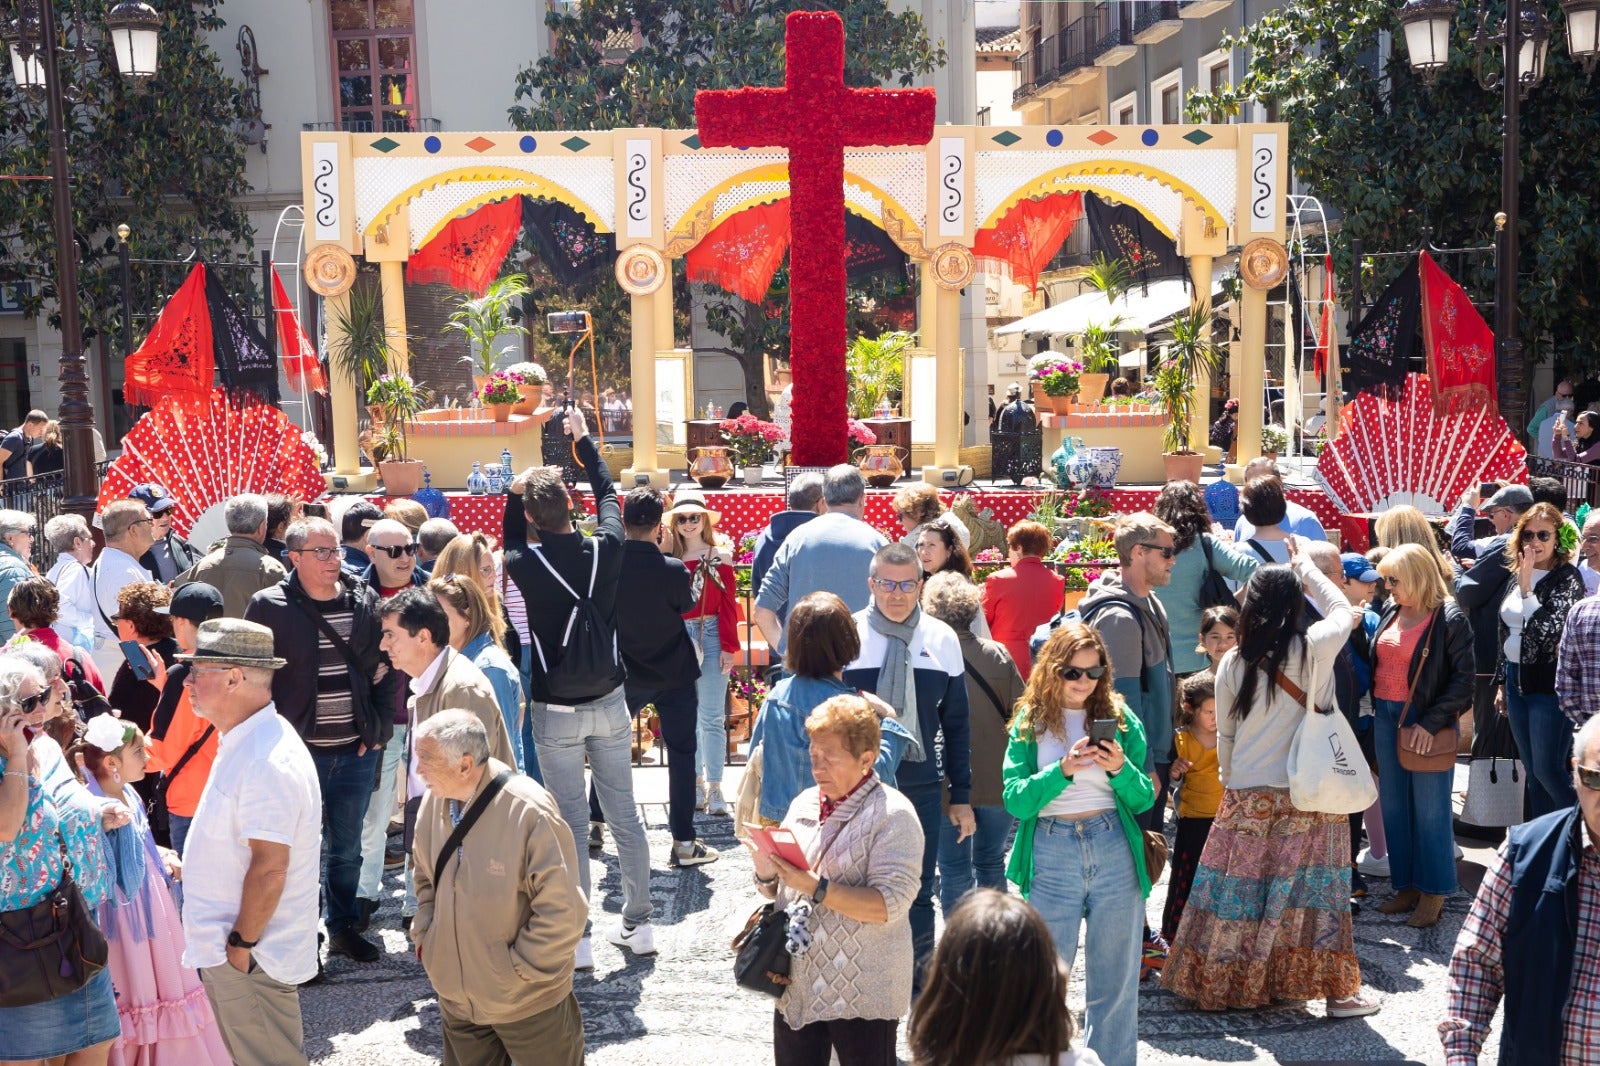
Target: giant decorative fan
<point>204,453</point>
<point>1393,452</point>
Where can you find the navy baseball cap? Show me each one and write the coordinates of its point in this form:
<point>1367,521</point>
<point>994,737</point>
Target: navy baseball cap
<point>155,497</point>
<point>1357,568</point>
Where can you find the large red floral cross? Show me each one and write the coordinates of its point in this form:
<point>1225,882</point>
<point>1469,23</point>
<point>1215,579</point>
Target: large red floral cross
<point>816,117</point>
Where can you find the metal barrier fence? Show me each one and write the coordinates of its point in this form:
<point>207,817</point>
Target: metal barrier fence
<point>41,496</point>
<point>1581,480</point>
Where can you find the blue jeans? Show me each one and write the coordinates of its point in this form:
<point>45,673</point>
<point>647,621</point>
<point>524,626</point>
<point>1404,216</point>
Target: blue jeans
<point>603,731</point>
<point>347,782</point>
<point>1416,813</point>
<point>381,808</point>
<point>928,801</point>
<point>711,693</point>
<point>530,754</point>
<point>1083,872</point>
<point>1544,741</point>
<point>978,860</point>
<point>178,830</point>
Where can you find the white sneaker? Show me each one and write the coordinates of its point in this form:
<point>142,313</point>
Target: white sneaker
<point>715,804</point>
<point>641,939</point>
<point>584,955</point>
<point>699,794</point>
<point>1371,867</point>
<point>692,853</point>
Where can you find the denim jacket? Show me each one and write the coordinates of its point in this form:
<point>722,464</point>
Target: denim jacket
<point>780,729</point>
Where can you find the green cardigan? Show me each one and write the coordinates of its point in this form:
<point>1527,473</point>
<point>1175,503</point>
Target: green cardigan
<point>1028,790</point>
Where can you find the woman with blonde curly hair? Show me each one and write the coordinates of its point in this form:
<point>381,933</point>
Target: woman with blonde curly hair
<point>1073,777</point>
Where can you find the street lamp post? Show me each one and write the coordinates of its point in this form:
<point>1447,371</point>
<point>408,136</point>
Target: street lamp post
<point>1523,40</point>
<point>32,39</point>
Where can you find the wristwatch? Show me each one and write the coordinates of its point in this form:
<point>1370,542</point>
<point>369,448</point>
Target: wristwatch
<point>237,941</point>
<point>822,890</point>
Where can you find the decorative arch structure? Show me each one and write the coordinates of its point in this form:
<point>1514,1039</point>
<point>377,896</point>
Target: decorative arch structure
<point>383,196</point>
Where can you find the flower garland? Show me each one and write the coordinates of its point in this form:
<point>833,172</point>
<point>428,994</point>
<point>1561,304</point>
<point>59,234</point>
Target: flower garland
<point>815,116</point>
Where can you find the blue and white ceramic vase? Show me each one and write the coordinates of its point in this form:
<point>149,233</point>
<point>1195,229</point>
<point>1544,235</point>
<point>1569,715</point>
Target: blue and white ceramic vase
<point>477,484</point>
<point>495,478</point>
<point>1106,461</point>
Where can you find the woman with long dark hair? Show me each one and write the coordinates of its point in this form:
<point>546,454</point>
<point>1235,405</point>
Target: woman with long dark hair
<point>1584,444</point>
<point>1182,506</point>
<point>1268,917</point>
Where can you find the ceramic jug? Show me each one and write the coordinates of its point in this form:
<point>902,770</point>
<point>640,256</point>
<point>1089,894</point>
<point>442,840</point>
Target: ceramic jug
<point>711,468</point>
<point>882,465</point>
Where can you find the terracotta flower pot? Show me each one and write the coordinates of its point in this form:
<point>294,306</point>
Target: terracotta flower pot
<point>502,411</point>
<point>529,399</point>
<point>401,477</point>
<point>1092,388</point>
<point>1183,467</point>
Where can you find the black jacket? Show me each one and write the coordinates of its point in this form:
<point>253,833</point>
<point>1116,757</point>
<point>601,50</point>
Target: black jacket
<point>1444,677</point>
<point>295,637</point>
<point>653,595</point>
<point>1479,592</point>
<point>1541,633</point>
<point>184,555</point>
<point>771,539</point>
<point>549,604</point>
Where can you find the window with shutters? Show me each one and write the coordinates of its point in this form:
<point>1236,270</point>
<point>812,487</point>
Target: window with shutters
<point>375,64</point>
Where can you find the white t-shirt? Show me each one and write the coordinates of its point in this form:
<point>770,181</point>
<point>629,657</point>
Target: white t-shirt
<point>263,786</point>
<point>75,622</point>
<point>1515,610</point>
<point>109,575</point>
<point>1091,788</point>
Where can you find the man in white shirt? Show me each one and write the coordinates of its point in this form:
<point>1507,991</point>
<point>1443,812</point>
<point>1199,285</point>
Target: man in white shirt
<point>69,537</point>
<point>129,533</point>
<point>251,898</point>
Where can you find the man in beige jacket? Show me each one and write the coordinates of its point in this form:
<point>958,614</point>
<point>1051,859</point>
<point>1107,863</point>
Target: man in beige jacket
<point>500,915</point>
<point>240,567</point>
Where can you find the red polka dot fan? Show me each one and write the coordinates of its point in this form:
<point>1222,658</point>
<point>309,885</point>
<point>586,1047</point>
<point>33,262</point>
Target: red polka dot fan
<point>205,452</point>
<point>1393,452</point>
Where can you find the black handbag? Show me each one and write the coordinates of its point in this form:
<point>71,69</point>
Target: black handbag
<point>50,949</point>
<point>1214,591</point>
<point>763,959</point>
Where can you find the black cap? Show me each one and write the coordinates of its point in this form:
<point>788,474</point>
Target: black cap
<point>196,601</point>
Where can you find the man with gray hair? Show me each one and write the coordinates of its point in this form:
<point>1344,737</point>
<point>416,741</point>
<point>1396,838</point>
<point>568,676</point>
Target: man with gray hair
<point>129,532</point>
<point>431,540</point>
<point>73,545</point>
<point>500,909</point>
<point>805,503</point>
<point>830,553</point>
<point>241,567</point>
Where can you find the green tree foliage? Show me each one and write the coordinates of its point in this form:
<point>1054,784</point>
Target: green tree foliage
<point>1393,155</point>
<point>621,63</point>
<point>169,162</point>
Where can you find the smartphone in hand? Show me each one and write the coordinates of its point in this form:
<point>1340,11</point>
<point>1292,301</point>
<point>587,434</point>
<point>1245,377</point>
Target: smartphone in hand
<point>133,652</point>
<point>1102,731</point>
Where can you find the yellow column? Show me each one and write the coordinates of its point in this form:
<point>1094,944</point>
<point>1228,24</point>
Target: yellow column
<point>1249,376</point>
<point>947,468</point>
<point>642,370</point>
<point>342,389</point>
<point>927,308</point>
<point>1200,409</point>
<point>665,338</point>
<point>392,283</point>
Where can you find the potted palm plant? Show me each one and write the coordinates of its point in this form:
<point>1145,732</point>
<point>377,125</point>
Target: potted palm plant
<point>876,369</point>
<point>485,319</point>
<point>1099,351</point>
<point>1190,353</point>
<point>401,400</point>
<point>358,347</point>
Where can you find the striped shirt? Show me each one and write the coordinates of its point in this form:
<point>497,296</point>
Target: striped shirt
<point>334,725</point>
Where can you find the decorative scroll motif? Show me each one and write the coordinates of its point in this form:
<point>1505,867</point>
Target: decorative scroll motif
<point>641,270</point>
<point>330,270</point>
<point>1266,198</point>
<point>253,130</point>
<point>639,178</point>
<point>1263,264</point>
<point>327,217</point>
<point>952,186</point>
<point>953,265</point>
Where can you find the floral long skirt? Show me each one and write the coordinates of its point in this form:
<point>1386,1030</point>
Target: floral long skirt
<point>1268,917</point>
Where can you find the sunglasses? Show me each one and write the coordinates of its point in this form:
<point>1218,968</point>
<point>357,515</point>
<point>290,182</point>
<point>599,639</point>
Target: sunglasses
<point>685,519</point>
<point>29,704</point>
<point>883,584</point>
<point>1164,551</point>
<point>1078,673</point>
<point>322,555</point>
<point>394,551</point>
<point>1590,778</point>
<point>1543,536</point>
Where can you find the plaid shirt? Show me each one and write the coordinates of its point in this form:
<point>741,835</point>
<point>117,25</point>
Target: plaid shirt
<point>1578,664</point>
<point>1477,976</point>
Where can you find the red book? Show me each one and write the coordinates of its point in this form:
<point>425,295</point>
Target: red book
<point>780,842</point>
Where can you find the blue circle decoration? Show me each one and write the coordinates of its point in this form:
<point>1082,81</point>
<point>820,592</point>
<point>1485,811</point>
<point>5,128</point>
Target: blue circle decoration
<point>1053,138</point>
<point>432,144</point>
<point>1149,137</point>
<point>527,144</point>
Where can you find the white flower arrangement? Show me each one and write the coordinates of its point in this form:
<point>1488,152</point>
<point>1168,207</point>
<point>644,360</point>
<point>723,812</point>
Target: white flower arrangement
<point>316,448</point>
<point>108,733</point>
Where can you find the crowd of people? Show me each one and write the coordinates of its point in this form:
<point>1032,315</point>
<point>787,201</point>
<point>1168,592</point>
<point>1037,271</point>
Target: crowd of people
<point>211,756</point>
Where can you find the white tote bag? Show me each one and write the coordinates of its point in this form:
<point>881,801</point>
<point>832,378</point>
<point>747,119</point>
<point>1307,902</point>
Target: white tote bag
<point>1327,773</point>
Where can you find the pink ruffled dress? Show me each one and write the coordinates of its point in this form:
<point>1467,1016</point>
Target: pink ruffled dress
<point>166,1017</point>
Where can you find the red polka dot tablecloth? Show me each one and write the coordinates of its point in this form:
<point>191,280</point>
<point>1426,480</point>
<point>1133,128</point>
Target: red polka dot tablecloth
<point>747,510</point>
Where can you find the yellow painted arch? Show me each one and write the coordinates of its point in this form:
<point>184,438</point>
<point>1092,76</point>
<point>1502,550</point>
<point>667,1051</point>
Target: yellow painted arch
<point>1046,183</point>
<point>769,172</point>
<point>527,184</point>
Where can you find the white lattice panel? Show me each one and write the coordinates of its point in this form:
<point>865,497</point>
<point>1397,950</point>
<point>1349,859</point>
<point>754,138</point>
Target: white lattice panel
<point>438,205</point>
<point>689,177</point>
<point>1157,200</point>
<point>591,179</point>
<point>1212,174</point>
<point>903,176</point>
<point>742,195</point>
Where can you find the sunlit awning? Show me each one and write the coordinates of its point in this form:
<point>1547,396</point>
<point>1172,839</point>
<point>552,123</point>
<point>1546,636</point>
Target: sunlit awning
<point>1138,308</point>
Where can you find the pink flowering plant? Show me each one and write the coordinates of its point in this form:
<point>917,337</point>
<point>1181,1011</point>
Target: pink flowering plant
<point>751,440</point>
<point>501,388</point>
<point>860,433</point>
<point>1057,374</point>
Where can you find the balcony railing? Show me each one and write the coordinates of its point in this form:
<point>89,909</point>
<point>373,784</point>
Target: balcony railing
<point>392,123</point>
<point>1148,15</point>
<point>1114,32</point>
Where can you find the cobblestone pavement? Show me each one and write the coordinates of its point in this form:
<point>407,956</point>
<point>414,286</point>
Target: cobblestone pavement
<point>680,1006</point>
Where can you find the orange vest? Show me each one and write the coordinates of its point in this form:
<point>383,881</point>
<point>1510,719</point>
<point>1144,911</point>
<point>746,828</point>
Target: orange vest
<point>183,793</point>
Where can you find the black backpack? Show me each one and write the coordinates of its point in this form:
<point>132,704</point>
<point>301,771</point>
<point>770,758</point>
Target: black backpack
<point>1214,591</point>
<point>588,652</point>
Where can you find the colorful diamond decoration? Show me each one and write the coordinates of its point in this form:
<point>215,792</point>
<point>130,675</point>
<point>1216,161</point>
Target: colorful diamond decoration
<point>385,144</point>
<point>692,141</point>
<point>1102,137</point>
<point>480,144</point>
<point>1006,138</point>
<point>1197,136</point>
<point>574,144</point>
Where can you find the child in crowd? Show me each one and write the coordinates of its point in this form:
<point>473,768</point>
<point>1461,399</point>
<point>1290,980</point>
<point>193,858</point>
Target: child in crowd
<point>1219,628</point>
<point>166,1017</point>
<point>1196,786</point>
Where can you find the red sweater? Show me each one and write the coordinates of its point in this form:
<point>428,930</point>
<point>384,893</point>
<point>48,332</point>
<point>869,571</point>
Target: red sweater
<point>1018,600</point>
<point>719,602</point>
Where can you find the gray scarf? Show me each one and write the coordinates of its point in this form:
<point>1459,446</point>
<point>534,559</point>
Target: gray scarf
<point>897,681</point>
